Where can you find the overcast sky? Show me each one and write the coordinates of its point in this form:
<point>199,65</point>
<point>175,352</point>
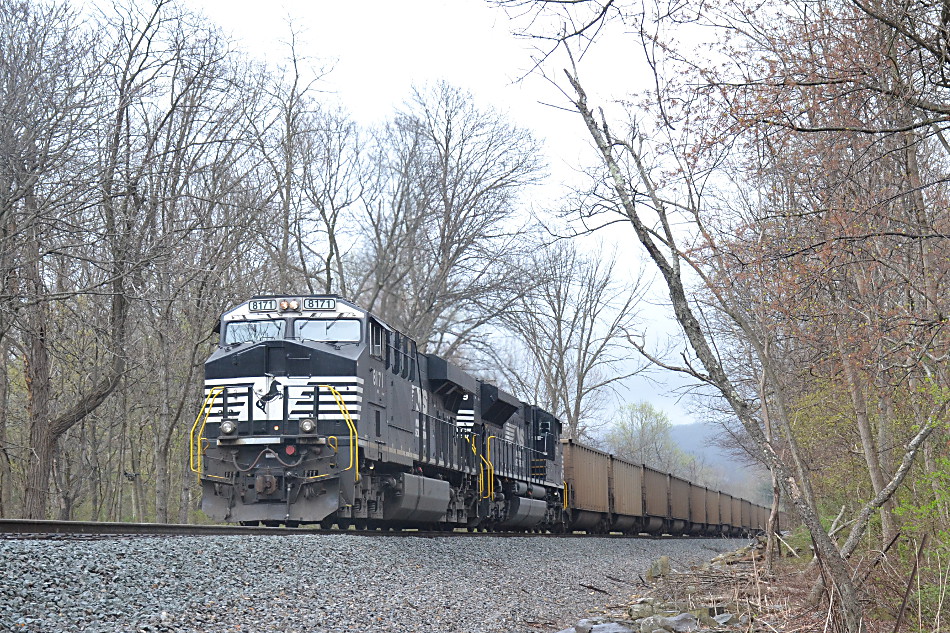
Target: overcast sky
<point>381,47</point>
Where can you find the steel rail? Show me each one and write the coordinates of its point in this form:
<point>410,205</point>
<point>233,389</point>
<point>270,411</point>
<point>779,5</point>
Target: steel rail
<point>26,528</point>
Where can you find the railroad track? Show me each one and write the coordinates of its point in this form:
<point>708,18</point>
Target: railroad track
<point>25,528</point>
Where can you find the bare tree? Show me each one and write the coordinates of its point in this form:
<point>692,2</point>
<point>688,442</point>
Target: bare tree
<point>162,117</point>
<point>572,326</point>
<point>653,201</point>
<point>440,218</point>
<point>290,133</point>
<point>48,105</point>
<point>333,185</point>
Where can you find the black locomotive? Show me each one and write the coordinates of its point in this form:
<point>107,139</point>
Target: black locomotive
<point>316,411</point>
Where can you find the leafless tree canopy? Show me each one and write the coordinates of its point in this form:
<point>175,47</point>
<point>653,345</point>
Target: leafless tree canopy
<point>572,324</point>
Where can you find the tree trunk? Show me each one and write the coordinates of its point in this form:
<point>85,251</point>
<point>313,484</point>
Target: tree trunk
<point>776,492</point>
<point>184,509</point>
<point>6,471</point>
<point>871,457</point>
<point>117,471</point>
<point>95,479</point>
<point>65,497</point>
<point>162,483</point>
<point>42,438</point>
<point>135,473</point>
<point>165,424</point>
<point>44,430</point>
<point>42,445</point>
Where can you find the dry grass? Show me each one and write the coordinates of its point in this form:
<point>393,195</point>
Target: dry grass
<point>775,603</point>
<point>779,602</point>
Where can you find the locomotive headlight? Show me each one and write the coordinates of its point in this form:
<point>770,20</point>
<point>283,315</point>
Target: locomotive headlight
<point>228,427</point>
<point>289,304</point>
<point>307,425</point>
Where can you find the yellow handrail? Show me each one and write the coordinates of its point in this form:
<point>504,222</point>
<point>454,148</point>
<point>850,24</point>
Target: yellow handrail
<point>194,449</point>
<point>491,467</point>
<point>333,445</point>
<point>354,435</point>
<point>481,469</point>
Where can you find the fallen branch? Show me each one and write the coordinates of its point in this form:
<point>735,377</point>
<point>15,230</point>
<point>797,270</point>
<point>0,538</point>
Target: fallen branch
<point>790,548</point>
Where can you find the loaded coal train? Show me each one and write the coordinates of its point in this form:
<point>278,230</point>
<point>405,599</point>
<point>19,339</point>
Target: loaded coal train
<point>318,412</point>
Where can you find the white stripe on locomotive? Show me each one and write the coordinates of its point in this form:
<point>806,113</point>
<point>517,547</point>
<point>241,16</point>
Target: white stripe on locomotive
<point>299,395</point>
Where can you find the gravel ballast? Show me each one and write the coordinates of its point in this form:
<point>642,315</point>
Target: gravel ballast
<point>325,583</point>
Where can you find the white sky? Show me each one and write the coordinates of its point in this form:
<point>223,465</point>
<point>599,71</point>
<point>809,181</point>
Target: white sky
<point>380,48</point>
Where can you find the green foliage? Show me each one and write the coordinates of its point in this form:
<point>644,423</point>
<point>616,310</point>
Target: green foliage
<point>924,511</point>
<point>641,433</point>
<point>823,424</point>
<point>800,540</point>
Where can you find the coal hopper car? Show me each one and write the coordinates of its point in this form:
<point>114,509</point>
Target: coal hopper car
<point>604,493</point>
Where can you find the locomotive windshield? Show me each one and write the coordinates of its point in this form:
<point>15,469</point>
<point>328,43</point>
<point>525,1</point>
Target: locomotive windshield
<point>336,330</point>
<point>253,331</point>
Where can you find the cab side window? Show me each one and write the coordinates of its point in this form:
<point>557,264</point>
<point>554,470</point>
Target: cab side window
<point>406,359</point>
<point>397,353</point>
<point>375,339</point>
<point>413,360</point>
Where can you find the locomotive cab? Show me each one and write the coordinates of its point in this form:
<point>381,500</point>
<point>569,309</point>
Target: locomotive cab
<point>282,405</point>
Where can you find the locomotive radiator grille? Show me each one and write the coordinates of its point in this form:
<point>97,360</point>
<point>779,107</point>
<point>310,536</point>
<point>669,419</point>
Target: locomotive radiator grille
<point>513,460</point>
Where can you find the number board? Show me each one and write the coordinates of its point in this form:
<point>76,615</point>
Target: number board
<point>262,305</point>
<point>319,304</point>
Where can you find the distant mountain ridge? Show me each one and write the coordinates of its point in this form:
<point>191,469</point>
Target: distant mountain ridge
<point>703,440</point>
